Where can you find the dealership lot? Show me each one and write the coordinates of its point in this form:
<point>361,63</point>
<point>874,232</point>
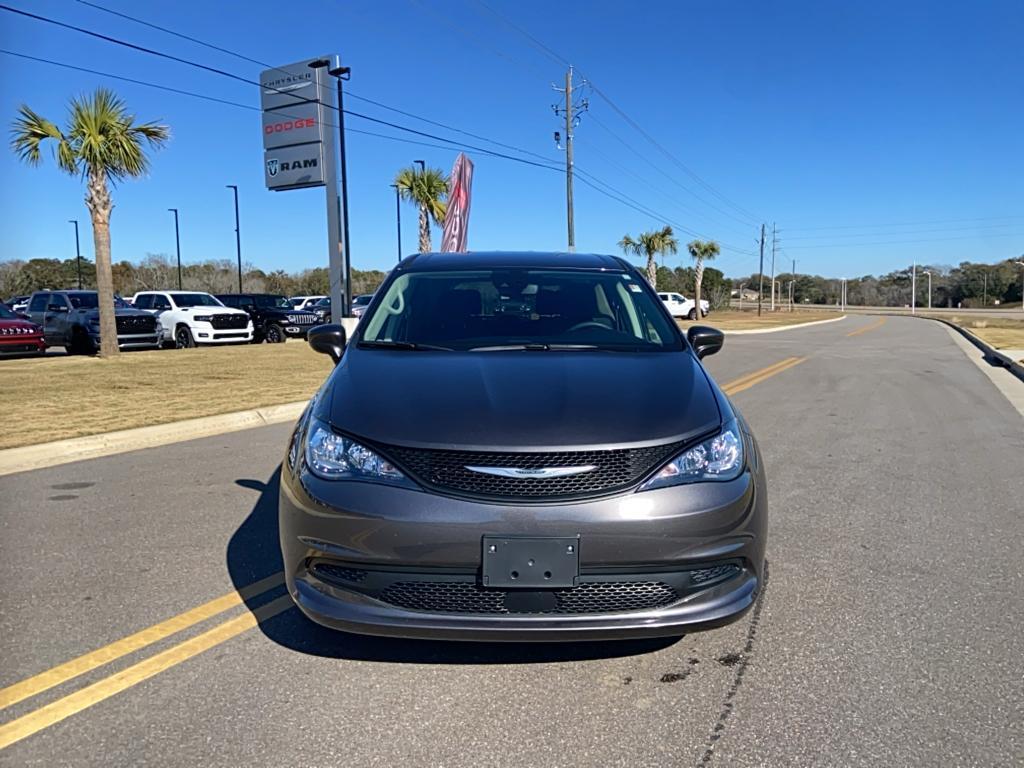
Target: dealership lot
<point>888,632</point>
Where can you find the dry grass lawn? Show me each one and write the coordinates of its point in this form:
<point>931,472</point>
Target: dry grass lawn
<point>1000,332</point>
<point>735,320</point>
<point>53,398</point>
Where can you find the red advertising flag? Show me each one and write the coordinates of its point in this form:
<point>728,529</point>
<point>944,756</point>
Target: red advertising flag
<point>456,219</point>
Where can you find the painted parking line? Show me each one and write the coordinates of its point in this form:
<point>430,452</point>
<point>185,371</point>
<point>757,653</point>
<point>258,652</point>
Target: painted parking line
<point>867,328</point>
<point>44,717</point>
<point>134,642</point>
<point>746,382</point>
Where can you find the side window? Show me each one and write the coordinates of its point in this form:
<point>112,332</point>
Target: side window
<point>244,302</point>
<point>144,302</point>
<point>39,302</point>
<point>160,301</point>
<point>229,301</point>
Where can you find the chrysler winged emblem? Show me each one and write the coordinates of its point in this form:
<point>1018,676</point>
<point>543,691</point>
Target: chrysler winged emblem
<point>272,166</point>
<point>542,472</point>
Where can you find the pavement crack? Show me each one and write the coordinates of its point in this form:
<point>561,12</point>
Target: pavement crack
<point>742,661</point>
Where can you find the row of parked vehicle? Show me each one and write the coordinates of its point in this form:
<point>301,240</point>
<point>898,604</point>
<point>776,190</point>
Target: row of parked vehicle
<point>155,319</point>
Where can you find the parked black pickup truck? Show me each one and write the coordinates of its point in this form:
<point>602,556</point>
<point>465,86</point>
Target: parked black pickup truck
<point>71,319</point>
<point>273,317</point>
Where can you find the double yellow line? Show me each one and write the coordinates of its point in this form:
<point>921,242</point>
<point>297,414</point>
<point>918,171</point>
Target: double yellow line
<point>73,703</point>
<point>867,328</point>
<point>65,707</point>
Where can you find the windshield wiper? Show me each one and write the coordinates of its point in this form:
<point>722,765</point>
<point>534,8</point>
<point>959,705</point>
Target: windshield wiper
<point>533,347</point>
<point>403,345</point>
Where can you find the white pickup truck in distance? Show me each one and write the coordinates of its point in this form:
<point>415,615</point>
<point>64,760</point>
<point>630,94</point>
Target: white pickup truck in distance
<point>680,306</point>
<point>190,318</point>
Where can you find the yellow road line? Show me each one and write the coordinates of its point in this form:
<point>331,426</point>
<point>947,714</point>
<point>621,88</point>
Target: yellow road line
<point>44,717</point>
<point>867,328</point>
<point>89,661</point>
<point>746,382</point>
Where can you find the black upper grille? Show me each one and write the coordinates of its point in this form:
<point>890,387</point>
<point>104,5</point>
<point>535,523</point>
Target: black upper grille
<point>614,470</point>
<point>127,324</point>
<point>588,597</point>
<point>223,320</point>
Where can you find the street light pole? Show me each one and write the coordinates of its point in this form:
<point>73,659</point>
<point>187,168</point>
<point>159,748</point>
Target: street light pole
<point>177,243</point>
<point>238,235</point>
<point>422,164</point>
<point>844,294</point>
<point>78,253</point>
<point>1021,263</point>
<point>913,289</point>
<point>398,218</point>
<point>928,272</point>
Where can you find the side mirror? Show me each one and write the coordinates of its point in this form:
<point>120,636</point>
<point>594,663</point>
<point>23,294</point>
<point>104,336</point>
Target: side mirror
<point>56,308</point>
<point>704,340</point>
<point>328,339</point>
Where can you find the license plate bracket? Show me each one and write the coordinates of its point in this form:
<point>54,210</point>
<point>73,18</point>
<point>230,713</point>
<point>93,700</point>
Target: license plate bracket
<point>530,562</point>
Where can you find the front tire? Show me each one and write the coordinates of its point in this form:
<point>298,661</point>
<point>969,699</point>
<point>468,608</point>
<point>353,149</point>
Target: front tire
<point>692,315</point>
<point>183,338</point>
<point>275,334</point>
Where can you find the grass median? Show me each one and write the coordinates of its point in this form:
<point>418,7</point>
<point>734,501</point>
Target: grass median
<point>746,320</point>
<point>1003,333</point>
<point>56,397</point>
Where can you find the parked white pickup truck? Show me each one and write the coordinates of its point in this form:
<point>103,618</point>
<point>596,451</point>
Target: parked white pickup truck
<point>680,306</point>
<point>193,317</point>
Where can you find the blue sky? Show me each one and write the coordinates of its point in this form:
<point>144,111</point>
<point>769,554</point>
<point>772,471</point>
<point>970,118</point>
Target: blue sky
<point>851,125</point>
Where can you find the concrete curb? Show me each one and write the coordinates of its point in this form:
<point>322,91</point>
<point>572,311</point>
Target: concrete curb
<point>94,446</point>
<point>990,352</point>
<point>786,327</point>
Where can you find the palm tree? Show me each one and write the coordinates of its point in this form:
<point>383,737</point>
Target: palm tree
<point>427,190</point>
<point>700,251</point>
<point>103,144</point>
<point>650,244</point>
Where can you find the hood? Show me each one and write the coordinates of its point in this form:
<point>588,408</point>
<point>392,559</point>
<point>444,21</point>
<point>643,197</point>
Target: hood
<point>118,312</point>
<point>520,400</point>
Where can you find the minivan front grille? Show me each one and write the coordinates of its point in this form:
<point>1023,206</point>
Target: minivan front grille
<point>608,471</point>
<point>589,597</point>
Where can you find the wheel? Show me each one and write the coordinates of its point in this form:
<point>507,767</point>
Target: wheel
<point>693,314</point>
<point>275,334</point>
<point>81,344</point>
<point>183,338</point>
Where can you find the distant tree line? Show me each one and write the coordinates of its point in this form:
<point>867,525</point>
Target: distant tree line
<point>159,271</point>
<point>968,285</point>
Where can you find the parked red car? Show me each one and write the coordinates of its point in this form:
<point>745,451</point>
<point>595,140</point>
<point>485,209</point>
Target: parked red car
<point>19,336</point>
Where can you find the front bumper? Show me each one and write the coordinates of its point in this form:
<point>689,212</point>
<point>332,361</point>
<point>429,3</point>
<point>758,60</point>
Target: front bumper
<point>22,344</point>
<point>376,535</point>
<point>132,341</point>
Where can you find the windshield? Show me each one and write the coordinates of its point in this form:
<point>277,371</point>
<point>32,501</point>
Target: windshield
<point>268,302</point>
<point>7,314</point>
<point>324,302</point>
<point>362,301</point>
<point>84,300</point>
<point>195,300</point>
<point>521,308</point>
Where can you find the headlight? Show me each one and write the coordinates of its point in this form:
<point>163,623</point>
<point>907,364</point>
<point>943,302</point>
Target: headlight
<point>333,457</point>
<point>203,318</point>
<point>716,459</point>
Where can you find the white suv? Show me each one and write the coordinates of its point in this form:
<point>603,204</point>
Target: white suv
<point>680,306</point>
<point>192,317</point>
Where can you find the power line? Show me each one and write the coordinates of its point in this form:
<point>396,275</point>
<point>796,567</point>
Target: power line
<point>908,231</point>
<point>555,56</point>
<point>896,242</point>
<point>905,223</point>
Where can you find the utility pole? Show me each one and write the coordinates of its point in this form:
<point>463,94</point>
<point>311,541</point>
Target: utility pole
<point>571,111</point>
<point>760,275</point>
<point>913,289</point>
<point>773,266</point>
<point>791,286</point>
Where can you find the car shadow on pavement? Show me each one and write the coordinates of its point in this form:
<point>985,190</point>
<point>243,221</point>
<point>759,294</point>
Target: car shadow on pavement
<point>253,553</point>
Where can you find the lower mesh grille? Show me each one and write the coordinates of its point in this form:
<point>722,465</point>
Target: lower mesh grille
<point>329,572</point>
<point>589,597</point>
<point>704,575</point>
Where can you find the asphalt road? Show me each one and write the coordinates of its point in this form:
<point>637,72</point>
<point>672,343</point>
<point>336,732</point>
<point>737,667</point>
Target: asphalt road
<point>889,632</point>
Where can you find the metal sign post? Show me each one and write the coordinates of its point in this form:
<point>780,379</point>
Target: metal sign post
<point>299,108</point>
